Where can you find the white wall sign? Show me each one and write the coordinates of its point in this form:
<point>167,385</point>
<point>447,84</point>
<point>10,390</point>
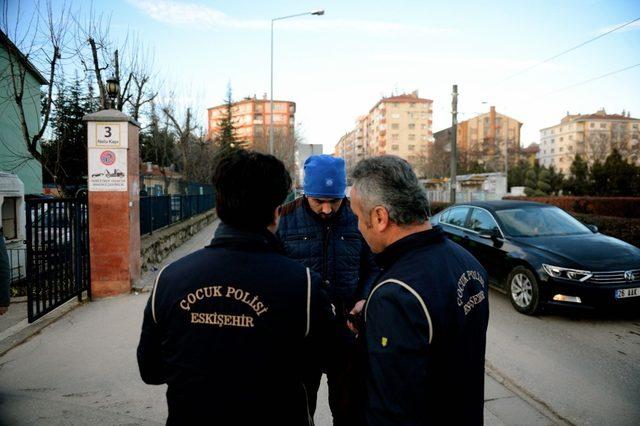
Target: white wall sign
<point>107,169</point>
<point>108,135</point>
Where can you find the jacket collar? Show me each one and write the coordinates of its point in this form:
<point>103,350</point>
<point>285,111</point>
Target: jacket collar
<point>228,235</point>
<point>334,219</point>
<point>395,251</point>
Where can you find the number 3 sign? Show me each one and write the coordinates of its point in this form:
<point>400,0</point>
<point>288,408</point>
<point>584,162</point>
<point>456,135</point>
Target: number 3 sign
<point>109,135</point>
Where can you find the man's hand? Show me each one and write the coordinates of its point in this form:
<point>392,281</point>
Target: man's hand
<point>356,311</point>
<point>3,310</point>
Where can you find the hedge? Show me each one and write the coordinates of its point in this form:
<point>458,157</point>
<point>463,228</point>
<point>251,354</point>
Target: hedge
<point>627,207</point>
<point>627,230</point>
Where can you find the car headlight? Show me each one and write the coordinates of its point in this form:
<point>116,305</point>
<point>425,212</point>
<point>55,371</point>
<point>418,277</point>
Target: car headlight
<point>567,273</point>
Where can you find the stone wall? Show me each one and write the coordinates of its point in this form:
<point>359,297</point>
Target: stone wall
<point>157,246</point>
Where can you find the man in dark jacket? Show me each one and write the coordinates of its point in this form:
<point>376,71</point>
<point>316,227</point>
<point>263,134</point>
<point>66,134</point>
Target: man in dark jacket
<point>426,315</point>
<point>226,327</point>
<point>320,231</point>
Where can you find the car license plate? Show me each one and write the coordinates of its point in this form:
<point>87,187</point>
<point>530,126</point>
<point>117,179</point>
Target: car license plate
<point>627,292</point>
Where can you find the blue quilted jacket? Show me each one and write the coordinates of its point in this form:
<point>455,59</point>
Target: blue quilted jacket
<point>334,249</point>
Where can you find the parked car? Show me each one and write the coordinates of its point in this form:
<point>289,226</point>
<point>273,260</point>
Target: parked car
<point>539,254</point>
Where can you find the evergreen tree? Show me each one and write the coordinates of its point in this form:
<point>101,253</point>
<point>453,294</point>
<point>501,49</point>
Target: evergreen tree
<point>66,152</point>
<point>599,179</point>
<point>556,180</point>
<point>544,183</point>
<point>531,183</point>
<point>622,178</point>
<point>226,139</point>
<point>578,182</point>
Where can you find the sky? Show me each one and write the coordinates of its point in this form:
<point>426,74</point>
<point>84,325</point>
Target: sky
<point>337,66</point>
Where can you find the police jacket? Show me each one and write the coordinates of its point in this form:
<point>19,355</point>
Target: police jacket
<point>425,331</point>
<point>225,328</point>
<point>334,248</point>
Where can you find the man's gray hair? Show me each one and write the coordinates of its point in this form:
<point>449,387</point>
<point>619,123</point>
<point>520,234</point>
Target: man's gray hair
<point>390,182</point>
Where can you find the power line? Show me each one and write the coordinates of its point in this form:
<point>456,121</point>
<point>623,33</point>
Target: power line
<point>593,79</point>
<point>569,50</point>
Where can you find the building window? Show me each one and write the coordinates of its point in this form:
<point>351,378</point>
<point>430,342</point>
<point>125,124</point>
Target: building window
<point>561,139</point>
<point>603,125</point>
<point>552,150</point>
<point>569,148</point>
<point>395,126</point>
<point>592,125</point>
<point>412,104</point>
<point>561,129</point>
<point>395,115</point>
<point>562,159</point>
<point>412,125</point>
<point>410,114</point>
<point>570,137</point>
<point>423,115</point>
<point>412,147</point>
<point>561,149</point>
<point>395,104</point>
<point>412,137</point>
<point>635,125</point>
<point>394,137</point>
<point>423,127</point>
<point>394,147</point>
<point>9,218</point>
<point>553,140</point>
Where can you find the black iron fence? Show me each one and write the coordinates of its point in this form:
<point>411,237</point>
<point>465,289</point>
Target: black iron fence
<point>17,264</point>
<point>57,253</point>
<point>164,210</point>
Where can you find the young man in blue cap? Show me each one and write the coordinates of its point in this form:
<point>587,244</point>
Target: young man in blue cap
<point>321,231</point>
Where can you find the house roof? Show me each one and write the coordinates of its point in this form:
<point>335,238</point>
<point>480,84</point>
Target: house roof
<point>534,148</point>
<point>10,47</point>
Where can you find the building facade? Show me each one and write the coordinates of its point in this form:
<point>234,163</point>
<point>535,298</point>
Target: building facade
<point>397,125</point>
<point>251,118</point>
<point>14,156</point>
<point>593,136</point>
<point>484,140</point>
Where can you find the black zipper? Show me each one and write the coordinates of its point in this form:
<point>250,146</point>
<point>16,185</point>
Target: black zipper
<point>325,248</point>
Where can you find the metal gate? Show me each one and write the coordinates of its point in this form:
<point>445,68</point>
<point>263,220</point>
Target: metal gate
<point>57,253</point>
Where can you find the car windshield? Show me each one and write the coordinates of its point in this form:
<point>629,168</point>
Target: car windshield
<point>540,222</point>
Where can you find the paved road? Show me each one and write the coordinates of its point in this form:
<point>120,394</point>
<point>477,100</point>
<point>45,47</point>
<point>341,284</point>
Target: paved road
<point>82,370</point>
<point>586,367</point>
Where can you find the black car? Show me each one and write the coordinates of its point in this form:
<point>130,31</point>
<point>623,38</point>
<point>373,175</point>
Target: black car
<point>539,254</point>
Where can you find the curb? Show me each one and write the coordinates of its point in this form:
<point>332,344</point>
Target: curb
<point>23,331</point>
<point>542,407</point>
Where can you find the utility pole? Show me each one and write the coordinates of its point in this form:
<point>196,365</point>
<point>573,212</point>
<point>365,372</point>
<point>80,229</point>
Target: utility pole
<point>506,157</point>
<point>454,147</point>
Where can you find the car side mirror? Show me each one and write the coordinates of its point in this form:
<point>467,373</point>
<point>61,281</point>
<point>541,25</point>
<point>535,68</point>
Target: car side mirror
<point>593,228</point>
<point>493,234</point>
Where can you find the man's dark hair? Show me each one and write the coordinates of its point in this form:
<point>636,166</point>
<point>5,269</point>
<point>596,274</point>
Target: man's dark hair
<point>249,186</point>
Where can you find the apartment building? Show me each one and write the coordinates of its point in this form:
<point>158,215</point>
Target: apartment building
<point>484,140</point>
<point>251,118</point>
<point>398,125</point>
<point>593,136</point>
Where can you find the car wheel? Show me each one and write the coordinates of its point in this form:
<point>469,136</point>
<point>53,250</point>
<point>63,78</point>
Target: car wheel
<point>523,290</point>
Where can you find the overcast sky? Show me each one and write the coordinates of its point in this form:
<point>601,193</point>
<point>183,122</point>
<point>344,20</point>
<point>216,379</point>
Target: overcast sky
<point>335,67</point>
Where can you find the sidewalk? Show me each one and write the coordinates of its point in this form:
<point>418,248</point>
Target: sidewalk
<point>82,370</point>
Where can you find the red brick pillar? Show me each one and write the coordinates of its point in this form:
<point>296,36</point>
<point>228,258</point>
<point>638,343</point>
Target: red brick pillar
<point>114,202</point>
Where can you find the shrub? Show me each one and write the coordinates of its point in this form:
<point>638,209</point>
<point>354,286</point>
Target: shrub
<point>438,206</point>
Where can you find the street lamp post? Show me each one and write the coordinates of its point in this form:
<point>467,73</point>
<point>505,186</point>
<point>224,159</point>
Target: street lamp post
<point>316,13</point>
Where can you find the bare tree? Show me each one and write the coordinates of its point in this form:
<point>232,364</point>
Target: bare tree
<point>285,142</point>
<point>184,131</point>
<point>128,62</point>
<point>41,46</point>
